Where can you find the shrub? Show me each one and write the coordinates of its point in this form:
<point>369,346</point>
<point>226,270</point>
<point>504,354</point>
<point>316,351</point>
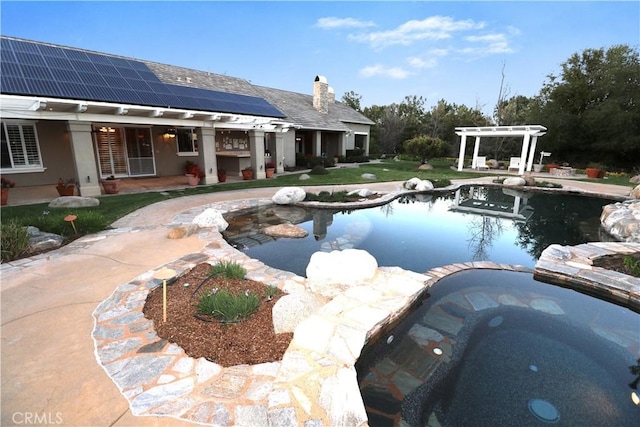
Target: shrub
<point>633,265</point>
<point>424,148</point>
<point>318,170</point>
<point>14,240</point>
<point>228,307</point>
<point>228,269</point>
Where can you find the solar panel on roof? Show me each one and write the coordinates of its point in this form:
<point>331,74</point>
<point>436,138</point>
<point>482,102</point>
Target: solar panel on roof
<point>30,68</point>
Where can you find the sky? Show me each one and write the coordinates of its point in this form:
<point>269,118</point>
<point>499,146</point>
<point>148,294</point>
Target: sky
<point>381,50</point>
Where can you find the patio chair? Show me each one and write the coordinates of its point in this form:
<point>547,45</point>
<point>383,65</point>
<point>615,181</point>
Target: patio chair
<point>514,163</point>
<point>481,163</point>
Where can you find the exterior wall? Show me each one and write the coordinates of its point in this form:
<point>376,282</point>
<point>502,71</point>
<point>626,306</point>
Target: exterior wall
<point>165,151</point>
<point>55,151</point>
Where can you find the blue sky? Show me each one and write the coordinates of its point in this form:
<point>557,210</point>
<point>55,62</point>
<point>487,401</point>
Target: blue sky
<point>383,51</point>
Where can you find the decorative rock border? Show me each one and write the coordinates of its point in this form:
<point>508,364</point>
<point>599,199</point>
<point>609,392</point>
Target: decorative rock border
<point>573,266</point>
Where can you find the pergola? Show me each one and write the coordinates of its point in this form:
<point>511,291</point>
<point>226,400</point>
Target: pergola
<point>529,134</point>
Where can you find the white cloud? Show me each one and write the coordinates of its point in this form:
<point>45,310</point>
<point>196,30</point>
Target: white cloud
<point>416,62</point>
<point>432,28</point>
<point>332,22</point>
<point>396,73</point>
<point>488,44</point>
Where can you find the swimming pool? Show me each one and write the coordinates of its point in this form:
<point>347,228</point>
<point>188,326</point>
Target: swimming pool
<point>419,232</point>
<point>491,348</point>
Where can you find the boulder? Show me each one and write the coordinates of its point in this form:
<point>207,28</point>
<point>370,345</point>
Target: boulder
<point>622,220</point>
<point>368,176</point>
<point>329,273</point>
<point>361,193</point>
<point>291,309</point>
<point>635,193</point>
<point>425,167</point>
<point>289,195</point>
<point>635,179</point>
<point>529,179</point>
<point>514,181</point>
<point>42,242</point>
<point>74,202</point>
<point>211,218</point>
<point>285,230</point>
<point>411,183</point>
<point>304,177</point>
<point>424,185</point>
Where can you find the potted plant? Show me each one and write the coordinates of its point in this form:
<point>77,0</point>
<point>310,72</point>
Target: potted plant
<point>66,188</point>
<point>6,185</point>
<point>193,172</point>
<point>270,169</point>
<point>247,173</point>
<point>595,170</point>
<point>111,185</point>
<point>222,175</point>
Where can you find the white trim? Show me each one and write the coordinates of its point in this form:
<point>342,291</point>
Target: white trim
<point>22,170</point>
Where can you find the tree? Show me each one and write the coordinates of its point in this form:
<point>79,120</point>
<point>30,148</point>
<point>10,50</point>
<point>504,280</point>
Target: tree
<point>425,147</point>
<point>592,110</point>
<point>353,100</point>
<point>390,129</point>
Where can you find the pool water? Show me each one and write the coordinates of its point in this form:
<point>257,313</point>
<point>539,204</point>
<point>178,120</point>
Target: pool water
<point>489,348</point>
<point>421,232</point>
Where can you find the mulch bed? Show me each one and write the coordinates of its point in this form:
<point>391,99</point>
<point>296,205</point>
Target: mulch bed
<point>251,341</point>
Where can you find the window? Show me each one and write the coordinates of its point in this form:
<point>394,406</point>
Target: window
<point>187,141</point>
<point>20,148</point>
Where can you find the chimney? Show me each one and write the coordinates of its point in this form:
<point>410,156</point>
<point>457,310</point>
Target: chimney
<point>332,95</point>
<point>321,94</point>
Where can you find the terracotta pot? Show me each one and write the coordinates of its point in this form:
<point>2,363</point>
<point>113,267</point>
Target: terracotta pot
<point>193,179</point>
<point>551,166</point>
<point>247,174</point>
<point>67,190</point>
<point>222,176</point>
<point>5,196</point>
<point>270,172</point>
<point>111,186</point>
<point>595,173</point>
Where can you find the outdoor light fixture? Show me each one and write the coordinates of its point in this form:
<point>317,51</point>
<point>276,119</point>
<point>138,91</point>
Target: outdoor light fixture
<point>170,133</point>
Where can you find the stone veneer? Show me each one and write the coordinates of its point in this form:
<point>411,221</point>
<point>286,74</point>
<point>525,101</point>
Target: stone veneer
<point>315,383</point>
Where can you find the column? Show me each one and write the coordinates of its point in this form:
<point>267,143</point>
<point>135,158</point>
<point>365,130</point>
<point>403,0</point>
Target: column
<point>317,144</point>
<point>84,158</point>
<point>532,152</point>
<point>256,143</point>
<point>523,154</point>
<point>278,155</point>
<point>476,148</point>
<point>463,146</point>
<point>207,154</point>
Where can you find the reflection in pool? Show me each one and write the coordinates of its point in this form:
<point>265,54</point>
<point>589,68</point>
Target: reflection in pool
<point>421,232</point>
<point>494,348</point>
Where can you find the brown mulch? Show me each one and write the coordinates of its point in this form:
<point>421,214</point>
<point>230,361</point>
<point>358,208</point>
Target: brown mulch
<point>251,341</point>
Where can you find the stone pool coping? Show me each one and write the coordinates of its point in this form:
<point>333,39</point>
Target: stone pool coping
<point>315,383</point>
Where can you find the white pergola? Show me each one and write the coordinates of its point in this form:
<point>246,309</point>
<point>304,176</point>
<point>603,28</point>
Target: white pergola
<point>529,134</point>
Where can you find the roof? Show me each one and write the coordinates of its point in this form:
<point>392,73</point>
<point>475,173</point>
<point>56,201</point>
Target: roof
<point>299,109</point>
<point>43,69</point>
<point>40,69</point>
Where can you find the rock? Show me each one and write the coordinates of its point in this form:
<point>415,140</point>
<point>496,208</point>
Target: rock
<point>291,309</point>
<point>304,177</point>
<point>182,231</point>
<point>411,183</point>
<point>285,230</point>
<point>289,195</point>
<point>348,267</point>
<point>514,181</point>
<point>622,220</point>
<point>40,242</point>
<point>635,193</point>
<point>424,185</point>
<point>635,179</point>
<point>529,179</point>
<point>368,176</point>
<point>74,202</point>
<point>361,193</point>
<point>211,218</point>
<point>425,167</point>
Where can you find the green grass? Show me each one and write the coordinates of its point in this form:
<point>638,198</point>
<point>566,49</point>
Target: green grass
<point>228,307</point>
<point>228,269</point>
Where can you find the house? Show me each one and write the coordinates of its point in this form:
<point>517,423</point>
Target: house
<point>70,112</point>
